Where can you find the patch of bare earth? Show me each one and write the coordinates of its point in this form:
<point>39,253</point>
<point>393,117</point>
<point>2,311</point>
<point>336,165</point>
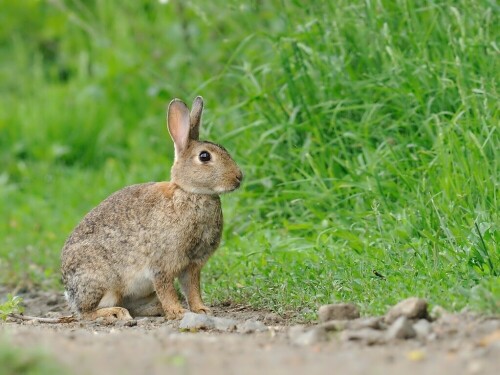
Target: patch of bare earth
<point>449,344</point>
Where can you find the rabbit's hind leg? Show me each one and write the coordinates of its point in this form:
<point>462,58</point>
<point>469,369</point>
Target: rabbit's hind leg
<point>109,309</point>
<point>108,313</point>
<point>94,302</point>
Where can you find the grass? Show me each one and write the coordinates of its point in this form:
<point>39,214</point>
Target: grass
<point>367,131</point>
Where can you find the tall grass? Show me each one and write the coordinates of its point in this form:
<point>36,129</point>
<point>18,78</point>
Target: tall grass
<point>367,130</point>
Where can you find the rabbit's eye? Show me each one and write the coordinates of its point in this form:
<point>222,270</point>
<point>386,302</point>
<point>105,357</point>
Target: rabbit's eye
<point>204,156</point>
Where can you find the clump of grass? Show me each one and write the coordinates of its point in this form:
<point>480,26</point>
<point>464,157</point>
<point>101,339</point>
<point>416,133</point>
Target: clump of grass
<point>367,131</point>
<point>11,305</point>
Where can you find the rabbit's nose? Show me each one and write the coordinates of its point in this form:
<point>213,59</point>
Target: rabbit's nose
<point>239,176</point>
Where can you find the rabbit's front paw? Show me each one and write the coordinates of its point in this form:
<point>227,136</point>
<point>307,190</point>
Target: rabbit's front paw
<point>176,312</point>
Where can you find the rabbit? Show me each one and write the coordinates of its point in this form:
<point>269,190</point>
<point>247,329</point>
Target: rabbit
<point>123,257</point>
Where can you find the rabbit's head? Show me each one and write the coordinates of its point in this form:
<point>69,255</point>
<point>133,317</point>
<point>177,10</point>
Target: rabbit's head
<point>200,167</point>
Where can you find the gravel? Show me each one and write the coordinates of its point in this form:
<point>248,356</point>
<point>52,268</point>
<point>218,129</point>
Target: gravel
<point>411,308</point>
<point>302,336</point>
<point>401,329</point>
<point>338,311</point>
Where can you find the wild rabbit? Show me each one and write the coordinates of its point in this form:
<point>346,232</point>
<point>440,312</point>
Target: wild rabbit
<point>124,255</point>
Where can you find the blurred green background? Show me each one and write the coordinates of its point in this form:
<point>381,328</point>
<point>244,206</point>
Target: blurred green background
<point>367,131</point>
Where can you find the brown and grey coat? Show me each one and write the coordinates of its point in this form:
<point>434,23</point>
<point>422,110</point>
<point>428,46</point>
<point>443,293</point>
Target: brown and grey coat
<point>124,256</point>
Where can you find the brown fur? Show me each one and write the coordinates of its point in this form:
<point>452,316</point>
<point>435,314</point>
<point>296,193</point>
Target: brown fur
<point>128,250</point>
<point>166,188</point>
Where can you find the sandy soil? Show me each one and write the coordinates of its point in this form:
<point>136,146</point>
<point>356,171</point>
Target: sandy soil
<point>464,344</point>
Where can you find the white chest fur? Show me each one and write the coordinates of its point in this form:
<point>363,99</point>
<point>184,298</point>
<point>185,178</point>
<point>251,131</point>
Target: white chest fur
<point>139,283</point>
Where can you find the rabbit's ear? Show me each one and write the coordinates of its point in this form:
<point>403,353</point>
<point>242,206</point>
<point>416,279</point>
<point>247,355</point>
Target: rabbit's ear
<point>195,118</point>
<point>178,125</point>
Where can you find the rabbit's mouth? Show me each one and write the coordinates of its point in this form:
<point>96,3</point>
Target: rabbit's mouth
<point>228,190</point>
<point>236,184</point>
<point>238,179</point>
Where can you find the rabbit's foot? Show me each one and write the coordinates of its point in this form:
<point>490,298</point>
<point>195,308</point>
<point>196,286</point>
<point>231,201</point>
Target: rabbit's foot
<point>175,312</point>
<point>200,309</point>
<point>108,313</point>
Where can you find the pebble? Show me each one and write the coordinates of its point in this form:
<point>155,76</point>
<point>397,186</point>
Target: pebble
<point>338,311</point>
<point>375,322</point>
<point>400,329</point>
<point>411,308</point>
<point>126,323</point>
<point>423,329</point>
<point>250,326</point>
<point>144,322</point>
<point>301,336</point>
<point>196,321</point>
<point>369,336</point>
<point>272,318</point>
<point>334,325</point>
<point>223,324</point>
<point>202,321</point>
<point>355,324</point>
<point>100,322</point>
<point>438,312</point>
<point>158,319</point>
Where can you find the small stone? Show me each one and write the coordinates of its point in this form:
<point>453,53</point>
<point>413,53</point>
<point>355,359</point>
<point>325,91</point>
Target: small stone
<point>250,326</point>
<point>223,324</point>
<point>411,308</point>
<point>301,336</point>
<point>196,321</point>
<point>142,322</point>
<point>371,322</point>
<point>101,321</point>
<point>126,323</point>
<point>32,322</point>
<point>150,320</point>
<point>334,325</point>
<point>437,312</point>
<point>159,319</point>
<point>400,329</point>
<point>415,355</point>
<point>338,311</point>
<point>423,329</point>
<point>272,318</point>
<point>369,336</point>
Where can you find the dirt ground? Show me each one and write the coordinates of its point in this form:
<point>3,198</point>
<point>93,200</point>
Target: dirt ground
<point>463,344</point>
